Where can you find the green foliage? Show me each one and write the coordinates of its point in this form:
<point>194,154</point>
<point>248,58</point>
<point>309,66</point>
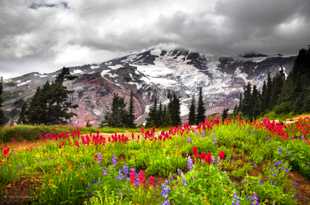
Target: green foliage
<point>29,132</point>
<point>205,185</point>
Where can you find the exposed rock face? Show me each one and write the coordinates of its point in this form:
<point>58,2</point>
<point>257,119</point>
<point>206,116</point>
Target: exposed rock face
<point>157,70</point>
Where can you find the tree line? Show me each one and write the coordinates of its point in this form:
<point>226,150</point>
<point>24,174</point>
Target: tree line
<point>119,116</point>
<point>50,103</point>
<point>169,115</point>
<point>279,94</point>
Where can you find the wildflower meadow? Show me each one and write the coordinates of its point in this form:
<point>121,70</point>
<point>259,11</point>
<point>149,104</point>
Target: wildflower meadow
<point>232,162</point>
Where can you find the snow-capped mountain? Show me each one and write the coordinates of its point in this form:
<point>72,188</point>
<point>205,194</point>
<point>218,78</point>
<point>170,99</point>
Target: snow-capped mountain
<point>157,70</point>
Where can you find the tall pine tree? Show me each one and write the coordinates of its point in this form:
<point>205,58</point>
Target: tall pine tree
<point>192,112</point>
<point>131,115</point>
<point>118,116</point>
<point>152,119</point>
<point>201,108</point>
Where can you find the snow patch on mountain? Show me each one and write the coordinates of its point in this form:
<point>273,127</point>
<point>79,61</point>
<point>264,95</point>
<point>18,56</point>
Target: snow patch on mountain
<point>23,83</point>
<point>115,67</point>
<point>77,71</point>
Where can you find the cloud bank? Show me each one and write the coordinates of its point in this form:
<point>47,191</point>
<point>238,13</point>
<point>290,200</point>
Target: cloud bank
<point>44,35</point>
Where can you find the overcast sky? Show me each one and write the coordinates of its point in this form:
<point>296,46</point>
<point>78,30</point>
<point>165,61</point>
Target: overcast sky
<point>44,35</point>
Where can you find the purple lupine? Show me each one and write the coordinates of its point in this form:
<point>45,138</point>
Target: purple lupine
<point>165,190</point>
<point>99,157</point>
<point>235,200</point>
<point>277,163</point>
<point>136,181</point>
<point>126,170</point>
<point>114,160</point>
<point>104,172</point>
<point>254,199</point>
<point>189,140</point>
<point>189,163</point>
<point>166,202</point>
<point>120,175</point>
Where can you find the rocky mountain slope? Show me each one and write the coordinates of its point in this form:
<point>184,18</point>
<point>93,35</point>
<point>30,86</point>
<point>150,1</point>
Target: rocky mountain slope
<point>160,69</point>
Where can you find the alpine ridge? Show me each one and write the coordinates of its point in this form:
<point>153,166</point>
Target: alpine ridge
<point>154,71</point>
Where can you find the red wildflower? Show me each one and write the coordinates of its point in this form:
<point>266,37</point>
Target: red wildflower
<point>208,158</point>
<point>141,177</point>
<point>6,151</point>
<point>132,176</point>
<point>195,151</point>
<point>221,154</point>
<point>203,155</point>
<point>152,181</point>
<point>77,143</point>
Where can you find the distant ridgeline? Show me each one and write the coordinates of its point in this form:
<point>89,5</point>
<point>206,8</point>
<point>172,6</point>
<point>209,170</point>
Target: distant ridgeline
<point>280,94</point>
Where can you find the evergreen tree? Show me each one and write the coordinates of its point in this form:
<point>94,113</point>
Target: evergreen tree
<point>247,102</point>
<point>165,117</point>
<point>256,103</point>
<point>50,104</point>
<point>118,116</point>
<point>151,120</point>
<point>131,116</point>
<point>225,114</point>
<point>268,92</point>
<point>235,111</point>
<point>23,114</point>
<point>277,84</point>
<point>3,119</point>
<point>174,110</point>
<point>201,108</point>
<point>264,98</point>
<point>192,112</point>
<point>159,116</point>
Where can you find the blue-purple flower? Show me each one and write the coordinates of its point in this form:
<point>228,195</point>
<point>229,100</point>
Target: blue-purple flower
<point>165,190</point>
<point>235,200</point>
<point>120,175</point>
<point>166,202</point>
<point>189,163</point>
<point>277,163</point>
<point>99,157</point>
<point>125,170</point>
<point>104,172</point>
<point>254,199</point>
<point>114,160</point>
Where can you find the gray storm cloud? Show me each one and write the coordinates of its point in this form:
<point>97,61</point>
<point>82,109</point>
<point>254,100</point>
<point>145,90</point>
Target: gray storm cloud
<point>43,35</point>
